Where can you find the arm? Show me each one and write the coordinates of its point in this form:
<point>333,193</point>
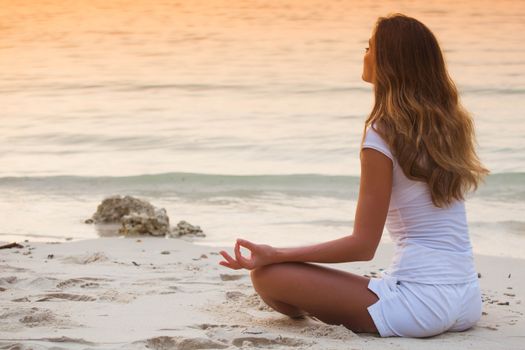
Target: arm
<point>372,207</point>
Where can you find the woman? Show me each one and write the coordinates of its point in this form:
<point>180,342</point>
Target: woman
<point>417,164</point>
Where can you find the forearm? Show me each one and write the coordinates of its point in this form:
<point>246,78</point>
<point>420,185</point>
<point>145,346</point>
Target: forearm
<point>340,250</point>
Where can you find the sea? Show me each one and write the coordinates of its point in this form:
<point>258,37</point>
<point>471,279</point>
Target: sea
<point>243,117</point>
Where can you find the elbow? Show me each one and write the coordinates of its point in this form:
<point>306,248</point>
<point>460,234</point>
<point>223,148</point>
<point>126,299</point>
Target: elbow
<point>367,253</point>
<point>363,249</point>
<point>367,257</point>
<point>370,253</point>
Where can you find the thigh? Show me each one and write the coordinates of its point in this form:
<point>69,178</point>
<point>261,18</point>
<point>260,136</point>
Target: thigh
<point>331,295</point>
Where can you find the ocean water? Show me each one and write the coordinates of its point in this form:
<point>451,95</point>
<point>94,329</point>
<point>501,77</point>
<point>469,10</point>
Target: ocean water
<point>243,117</point>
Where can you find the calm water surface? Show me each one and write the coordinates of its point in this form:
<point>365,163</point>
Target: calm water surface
<point>243,117</point>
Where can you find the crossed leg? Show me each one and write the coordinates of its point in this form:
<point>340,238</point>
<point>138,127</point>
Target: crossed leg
<point>333,296</point>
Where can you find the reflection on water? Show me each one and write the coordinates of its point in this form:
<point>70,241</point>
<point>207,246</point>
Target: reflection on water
<point>234,87</point>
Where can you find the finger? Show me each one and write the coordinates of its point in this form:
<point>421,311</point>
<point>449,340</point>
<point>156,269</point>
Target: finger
<point>237,264</point>
<point>246,243</point>
<point>230,262</point>
<point>231,267</point>
<point>229,258</point>
<point>247,264</point>
<point>224,263</point>
<point>240,259</point>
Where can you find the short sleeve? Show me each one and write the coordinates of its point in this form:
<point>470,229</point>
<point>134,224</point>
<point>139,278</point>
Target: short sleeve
<point>375,141</point>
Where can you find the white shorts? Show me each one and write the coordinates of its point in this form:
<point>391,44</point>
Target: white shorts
<point>410,309</point>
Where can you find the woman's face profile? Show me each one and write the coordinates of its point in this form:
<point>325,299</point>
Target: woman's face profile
<point>369,62</point>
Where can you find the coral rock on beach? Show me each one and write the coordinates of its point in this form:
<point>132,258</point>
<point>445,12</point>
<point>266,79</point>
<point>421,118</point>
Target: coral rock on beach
<point>184,228</point>
<point>141,223</point>
<point>136,216</point>
<point>139,217</point>
<point>114,208</point>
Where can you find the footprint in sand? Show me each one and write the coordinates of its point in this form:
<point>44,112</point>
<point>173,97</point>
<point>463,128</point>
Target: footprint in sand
<point>8,268</point>
<point>72,282</point>
<point>65,296</point>
<point>113,295</point>
<point>41,283</point>
<point>38,318</point>
<point>7,280</point>
<point>22,317</point>
<point>165,342</point>
<point>21,300</point>
<point>262,342</point>
<point>228,277</point>
<point>242,336</point>
<point>86,259</point>
<point>205,326</point>
<point>83,282</point>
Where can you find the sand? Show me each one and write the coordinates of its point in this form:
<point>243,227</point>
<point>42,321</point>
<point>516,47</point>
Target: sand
<point>156,293</point>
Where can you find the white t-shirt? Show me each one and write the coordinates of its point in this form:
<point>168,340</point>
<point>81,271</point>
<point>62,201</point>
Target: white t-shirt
<point>432,244</point>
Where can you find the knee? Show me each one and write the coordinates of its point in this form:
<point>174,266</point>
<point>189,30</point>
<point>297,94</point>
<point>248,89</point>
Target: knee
<point>259,273</point>
<point>266,277</point>
<point>261,276</point>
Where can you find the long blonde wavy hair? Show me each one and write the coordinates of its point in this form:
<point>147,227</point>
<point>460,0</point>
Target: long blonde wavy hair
<point>418,113</point>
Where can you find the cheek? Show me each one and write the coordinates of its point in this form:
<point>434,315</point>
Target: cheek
<point>369,61</point>
<point>366,62</point>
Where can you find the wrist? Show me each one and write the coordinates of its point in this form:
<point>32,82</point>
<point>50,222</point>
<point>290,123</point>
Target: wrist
<point>276,256</point>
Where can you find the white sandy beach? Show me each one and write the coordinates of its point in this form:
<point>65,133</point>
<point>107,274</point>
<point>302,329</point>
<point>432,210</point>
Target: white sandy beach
<point>156,293</point>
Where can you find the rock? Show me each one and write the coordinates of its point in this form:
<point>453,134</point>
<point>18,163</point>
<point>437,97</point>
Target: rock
<point>114,208</point>
<point>157,224</point>
<point>136,216</point>
<point>184,228</point>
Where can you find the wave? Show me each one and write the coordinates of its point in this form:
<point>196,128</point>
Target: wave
<point>284,88</point>
<point>508,226</point>
<point>191,183</point>
<point>503,186</point>
<point>126,86</point>
<point>492,91</point>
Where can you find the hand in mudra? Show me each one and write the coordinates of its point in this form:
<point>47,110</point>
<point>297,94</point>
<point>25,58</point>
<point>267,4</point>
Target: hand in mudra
<point>261,254</point>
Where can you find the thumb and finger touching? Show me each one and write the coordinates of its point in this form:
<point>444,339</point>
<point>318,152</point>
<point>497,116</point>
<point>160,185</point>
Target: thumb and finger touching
<point>239,261</point>
<point>247,264</point>
<point>246,244</point>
